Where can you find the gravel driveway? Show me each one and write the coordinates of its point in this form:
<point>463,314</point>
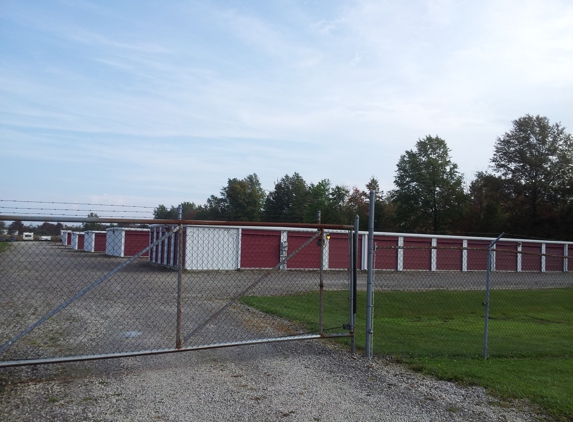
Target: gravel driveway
<point>304,381</point>
<point>301,381</point>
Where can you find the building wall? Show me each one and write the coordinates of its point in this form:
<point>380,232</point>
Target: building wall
<point>232,248</point>
<point>209,248</point>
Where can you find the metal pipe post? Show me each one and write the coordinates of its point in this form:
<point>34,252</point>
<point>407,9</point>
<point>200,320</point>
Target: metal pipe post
<point>486,303</point>
<point>369,287</point>
<point>354,279</point>
<point>321,243</point>
<point>178,341</point>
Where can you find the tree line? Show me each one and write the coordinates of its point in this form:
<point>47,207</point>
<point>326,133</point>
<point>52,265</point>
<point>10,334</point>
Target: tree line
<point>527,191</point>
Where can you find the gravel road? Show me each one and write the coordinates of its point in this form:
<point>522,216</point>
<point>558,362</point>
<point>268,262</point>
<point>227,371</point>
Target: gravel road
<point>298,381</point>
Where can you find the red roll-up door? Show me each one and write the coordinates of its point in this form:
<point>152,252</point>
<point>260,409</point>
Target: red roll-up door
<point>80,241</point>
<point>309,257</point>
<point>260,248</point>
<point>339,251</point>
<point>420,257</point>
<point>477,255</point>
<point>506,256</point>
<point>449,254</point>
<point>386,252</point>
<point>531,262</point>
<point>135,242</point>
<point>99,242</point>
<point>555,262</point>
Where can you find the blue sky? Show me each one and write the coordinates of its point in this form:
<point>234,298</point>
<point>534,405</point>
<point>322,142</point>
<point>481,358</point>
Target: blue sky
<point>150,102</point>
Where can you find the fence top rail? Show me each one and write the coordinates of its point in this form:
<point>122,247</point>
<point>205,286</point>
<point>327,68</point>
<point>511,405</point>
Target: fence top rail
<point>277,227</point>
<point>39,218</point>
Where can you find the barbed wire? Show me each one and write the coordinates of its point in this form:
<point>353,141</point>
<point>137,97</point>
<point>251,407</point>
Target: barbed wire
<point>76,203</point>
<point>72,215</point>
<point>76,210</point>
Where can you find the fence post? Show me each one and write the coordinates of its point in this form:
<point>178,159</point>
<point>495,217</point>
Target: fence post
<point>369,292</point>
<point>178,342</point>
<point>354,279</point>
<point>321,243</point>
<point>486,303</point>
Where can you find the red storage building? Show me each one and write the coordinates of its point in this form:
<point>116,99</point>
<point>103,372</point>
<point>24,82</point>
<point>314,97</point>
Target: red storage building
<point>123,241</point>
<point>386,252</point>
<point>530,258</point>
<point>77,241</point>
<point>449,254</point>
<point>260,248</point>
<point>506,256</point>
<point>94,241</point>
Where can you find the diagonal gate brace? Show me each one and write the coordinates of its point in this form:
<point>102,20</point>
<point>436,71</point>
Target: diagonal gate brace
<point>83,292</point>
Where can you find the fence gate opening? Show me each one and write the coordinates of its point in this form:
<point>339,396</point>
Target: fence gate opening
<point>170,287</point>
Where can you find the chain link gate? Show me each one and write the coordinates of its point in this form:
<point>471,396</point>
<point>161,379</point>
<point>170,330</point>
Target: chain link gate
<point>165,289</point>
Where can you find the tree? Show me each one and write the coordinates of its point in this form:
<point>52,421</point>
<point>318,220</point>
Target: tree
<point>240,200</point>
<point>49,229</point>
<point>318,200</point>
<point>162,213</point>
<point>429,194</point>
<point>488,213</point>
<point>16,226</point>
<point>287,201</point>
<point>93,225</point>
<point>190,211</point>
<point>535,162</point>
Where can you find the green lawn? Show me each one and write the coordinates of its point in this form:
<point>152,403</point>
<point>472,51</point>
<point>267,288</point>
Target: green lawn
<point>4,246</point>
<point>441,333</point>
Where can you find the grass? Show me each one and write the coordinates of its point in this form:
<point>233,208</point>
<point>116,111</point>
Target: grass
<point>4,246</point>
<point>440,333</point>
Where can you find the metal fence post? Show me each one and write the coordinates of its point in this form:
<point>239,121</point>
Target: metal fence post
<point>354,278</point>
<point>486,303</point>
<point>369,290</point>
<point>178,342</point>
<point>321,243</point>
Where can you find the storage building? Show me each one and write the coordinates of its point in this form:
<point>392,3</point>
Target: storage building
<point>78,241</point>
<point>123,241</point>
<point>94,241</point>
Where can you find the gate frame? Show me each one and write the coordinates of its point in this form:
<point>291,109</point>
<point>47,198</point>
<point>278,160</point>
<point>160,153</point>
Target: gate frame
<point>179,223</point>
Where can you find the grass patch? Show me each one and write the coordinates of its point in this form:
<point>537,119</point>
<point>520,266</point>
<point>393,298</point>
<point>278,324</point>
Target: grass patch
<point>4,246</point>
<point>441,333</point>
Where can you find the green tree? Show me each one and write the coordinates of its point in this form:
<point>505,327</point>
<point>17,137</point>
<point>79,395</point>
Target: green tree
<point>17,226</point>
<point>190,211</point>
<point>93,225</point>
<point>49,229</point>
<point>287,201</point>
<point>429,194</point>
<point>318,200</point>
<point>535,162</point>
<point>487,212</point>
<point>163,213</point>
<point>240,200</point>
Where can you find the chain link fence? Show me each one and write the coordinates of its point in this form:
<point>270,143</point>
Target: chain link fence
<point>135,291</point>
<point>433,300</point>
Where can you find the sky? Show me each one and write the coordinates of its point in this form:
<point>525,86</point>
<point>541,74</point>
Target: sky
<point>144,103</point>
